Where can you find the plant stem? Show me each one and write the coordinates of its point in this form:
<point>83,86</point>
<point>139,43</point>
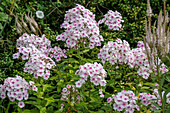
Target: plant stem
<point>89,88</point>
<point>164,9</point>
<point>8,107</point>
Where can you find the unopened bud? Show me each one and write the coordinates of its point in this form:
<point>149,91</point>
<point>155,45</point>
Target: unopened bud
<point>17,23</point>
<point>27,17</point>
<point>33,21</point>
<point>24,24</point>
<point>32,28</point>
<point>19,30</point>
<point>149,10</point>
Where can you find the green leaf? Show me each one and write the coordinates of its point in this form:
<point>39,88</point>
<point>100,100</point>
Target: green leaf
<point>30,111</point>
<point>43,110</point>
<point>86,50</point>
<point>162,81</point>
<point>50,109</point>
<point>145,88</point>
<point>31,102</point>
<point>148,83</point>
<point>33,98</point>
<point>46,86</point>
<point>157,111</point>
<point>132,73</point>
<point>1,9</point>
<point>53,77</point>
<point>111,82</point>
<point>107,107</point>
<point>34,111</point>
<point>73,60</point>
<point>93,99</point>
<point>1,26</point>
<point>83,104</point>
<point>26,111</point>
<point>167,78</point>
<point>49,100</point>
<point>156,105</point>
<point>3,16</point>
<point>58,112</point>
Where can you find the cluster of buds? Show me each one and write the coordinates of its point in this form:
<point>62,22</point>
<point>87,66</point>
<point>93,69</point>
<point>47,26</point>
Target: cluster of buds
<point>101,93</point>
<point>96,73</point>
<point>80,27</point>
<point>21,26</point>
<point>16,88</point>
<point>70,94</point>
<point>112,20</point>
<point>147,98</point>
<point>124,100</point>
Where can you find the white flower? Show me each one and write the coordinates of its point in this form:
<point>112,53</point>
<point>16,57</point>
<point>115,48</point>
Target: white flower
<point>40,14</point>
<point>78,84</point>
<point>16,55</point>
<point>21,104</point>
<point>34,88</point>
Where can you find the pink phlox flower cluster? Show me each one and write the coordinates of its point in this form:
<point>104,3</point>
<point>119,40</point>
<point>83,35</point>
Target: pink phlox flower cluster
<point>115,52</point>
<point>16,88</point>
<point>56,53</point>
<point>24,42</point>
<point>112,20</point>
<point>80,27</point>
<point>39,64</point>
<point>70,92</point>
<point>26,45</point>
<point>124,100</point>
<point>119,52</point>
<point>147,98</point>
<point>96,73</point>
<point>39,53</point>
<point>141,63</point>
